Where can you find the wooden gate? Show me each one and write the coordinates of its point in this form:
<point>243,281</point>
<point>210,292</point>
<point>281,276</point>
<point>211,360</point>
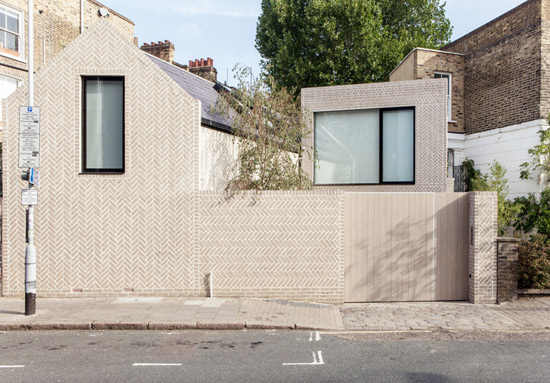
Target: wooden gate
<point>406,247</point>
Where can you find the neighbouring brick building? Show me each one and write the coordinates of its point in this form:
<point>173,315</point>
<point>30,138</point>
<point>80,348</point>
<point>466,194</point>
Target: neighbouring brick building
<point>500,88</point>
<point>56,24</point>
<point>165,50</point>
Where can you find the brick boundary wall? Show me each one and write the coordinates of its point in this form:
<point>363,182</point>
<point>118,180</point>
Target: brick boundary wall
<point>277,244</point>
<point>482,278</point>
<point>508,258</point>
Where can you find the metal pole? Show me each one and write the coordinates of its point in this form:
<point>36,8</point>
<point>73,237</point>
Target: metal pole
<point>81,16</point>
<point>30,251</point>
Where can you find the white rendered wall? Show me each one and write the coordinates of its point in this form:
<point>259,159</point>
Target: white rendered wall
<point>218,155</point>
<point>509,147</point>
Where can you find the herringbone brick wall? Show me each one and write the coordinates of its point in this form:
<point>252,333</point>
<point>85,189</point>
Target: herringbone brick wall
<point>482,283</point>
<point>430,99</point>
<point>286,244</point>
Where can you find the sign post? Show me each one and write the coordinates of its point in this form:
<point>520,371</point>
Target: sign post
<point>29,157</point>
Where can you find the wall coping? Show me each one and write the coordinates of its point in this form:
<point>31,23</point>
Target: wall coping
<point>508,239</point>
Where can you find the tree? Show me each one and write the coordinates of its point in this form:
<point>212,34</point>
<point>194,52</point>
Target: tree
<point>269,128</point>
<point>333,42</point>
<point>539,165</point>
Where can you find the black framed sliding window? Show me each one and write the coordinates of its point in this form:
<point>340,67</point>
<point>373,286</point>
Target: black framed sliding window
<point>365,147</point>
<point>103,124</point>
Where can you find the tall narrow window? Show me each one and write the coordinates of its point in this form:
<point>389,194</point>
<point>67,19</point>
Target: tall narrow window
<point>103,123</point>
<point>449,78</point>
<point>398,145</point>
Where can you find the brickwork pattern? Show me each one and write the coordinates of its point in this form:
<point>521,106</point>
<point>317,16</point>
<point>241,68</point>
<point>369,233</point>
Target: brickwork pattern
<point>275,243</point>
<point>430,99</point>
<point>482,265</point>
<point>508,269</point>
<point>107,234</point>
<point>545,59</point>
<point>502,84</point>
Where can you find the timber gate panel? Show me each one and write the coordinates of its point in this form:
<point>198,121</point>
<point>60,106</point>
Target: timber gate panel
<point>406,247</point>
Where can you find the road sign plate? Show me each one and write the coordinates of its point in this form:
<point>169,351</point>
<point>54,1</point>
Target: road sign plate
<point>28,160</point>
<point>29,144</point>
<point>29,197</point>
<point>29,119</point>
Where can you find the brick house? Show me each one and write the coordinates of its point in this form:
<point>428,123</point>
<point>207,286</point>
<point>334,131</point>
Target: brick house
<point>499,96</point>
<point>128,209</point>
<point>56,24</point>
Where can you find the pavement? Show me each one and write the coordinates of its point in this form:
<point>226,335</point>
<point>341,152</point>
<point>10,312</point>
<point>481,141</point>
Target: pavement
<point>156,313</point>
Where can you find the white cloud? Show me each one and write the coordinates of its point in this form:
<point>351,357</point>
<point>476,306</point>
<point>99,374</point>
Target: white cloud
<point>233,9</point>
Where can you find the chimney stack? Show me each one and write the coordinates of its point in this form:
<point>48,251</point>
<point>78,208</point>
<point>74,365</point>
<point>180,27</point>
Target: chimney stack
<point>204,68</point>
<point>163,50</point>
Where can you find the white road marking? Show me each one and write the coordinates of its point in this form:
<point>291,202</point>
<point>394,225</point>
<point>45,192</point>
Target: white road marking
<point>14,366</point>
<point>317,336</point>
<point>155,364</point>
<point>314,363</point>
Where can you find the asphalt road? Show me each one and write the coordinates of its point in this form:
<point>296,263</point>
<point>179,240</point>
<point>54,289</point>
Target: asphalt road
<point>273,356</point>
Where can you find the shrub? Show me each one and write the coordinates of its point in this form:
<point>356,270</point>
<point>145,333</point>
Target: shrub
<point>534,213</point>
<point>534,263</point>
<point>494,181</point>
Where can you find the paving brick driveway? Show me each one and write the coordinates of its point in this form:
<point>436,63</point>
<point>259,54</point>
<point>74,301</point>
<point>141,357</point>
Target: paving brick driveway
<point>526,314</point>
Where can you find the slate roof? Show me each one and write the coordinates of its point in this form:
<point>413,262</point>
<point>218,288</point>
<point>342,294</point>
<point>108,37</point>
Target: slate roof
<point>198,88</point>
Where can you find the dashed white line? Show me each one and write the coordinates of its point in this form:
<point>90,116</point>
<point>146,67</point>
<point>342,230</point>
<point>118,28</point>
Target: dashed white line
<point>155,364</point>
<point>14,366</point>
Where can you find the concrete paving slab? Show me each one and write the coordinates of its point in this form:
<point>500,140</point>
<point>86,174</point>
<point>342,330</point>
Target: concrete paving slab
<point>213,302</point>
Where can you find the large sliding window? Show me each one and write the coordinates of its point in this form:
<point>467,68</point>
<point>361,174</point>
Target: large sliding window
<point>103,124</point>
<point>365,147</point>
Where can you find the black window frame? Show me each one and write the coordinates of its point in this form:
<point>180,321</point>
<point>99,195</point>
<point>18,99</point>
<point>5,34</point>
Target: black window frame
<point>84,168</point>
<point>381,149</point>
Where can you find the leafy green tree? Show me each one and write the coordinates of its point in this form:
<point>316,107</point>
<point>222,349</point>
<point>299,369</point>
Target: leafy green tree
<point>269,128</point>
<point>307,43</point>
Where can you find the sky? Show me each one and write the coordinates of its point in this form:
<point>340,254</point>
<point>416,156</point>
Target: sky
<point>225,29</point>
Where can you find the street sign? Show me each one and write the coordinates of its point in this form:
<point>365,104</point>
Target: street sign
<point>29,119</point>
<point>33,177</point>
<point>29,197</point>
<point>29,136</point>
<point>27,160</point>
